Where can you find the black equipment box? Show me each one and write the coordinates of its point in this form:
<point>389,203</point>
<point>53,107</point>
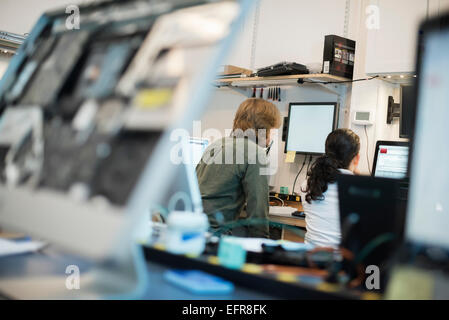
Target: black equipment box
<point>282,69</point>
<point>339,56</point>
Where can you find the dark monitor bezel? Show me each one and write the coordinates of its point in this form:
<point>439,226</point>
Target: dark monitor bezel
<point>394,218</point>
<point>388,143</point>
<point>334,124</point>
<point>409,109</point>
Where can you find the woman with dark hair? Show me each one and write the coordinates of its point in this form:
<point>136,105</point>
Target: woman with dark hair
<point>320,193</point>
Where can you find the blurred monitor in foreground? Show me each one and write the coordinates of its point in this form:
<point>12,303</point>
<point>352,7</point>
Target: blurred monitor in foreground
<point>85,124</point>
<point>428,207</point>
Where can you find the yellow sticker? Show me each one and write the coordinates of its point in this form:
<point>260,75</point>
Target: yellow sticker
<point>286,277</point>
<point>159,247</point>
<point>291,155</point>
<point>327,287</point>
<point>371,296</point>
<point>252,268</point>
<point>214,260</point>
<point>153,98</point>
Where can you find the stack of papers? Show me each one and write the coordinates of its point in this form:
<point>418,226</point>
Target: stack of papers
<point>255,244</point>
<point>282,211</point>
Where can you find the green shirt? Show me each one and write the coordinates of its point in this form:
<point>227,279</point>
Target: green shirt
<point>230,174</point>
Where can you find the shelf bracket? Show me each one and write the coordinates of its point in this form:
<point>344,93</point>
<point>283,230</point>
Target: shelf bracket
<point>241,90</point>
<point>333,88</point>
<point>393,110</point>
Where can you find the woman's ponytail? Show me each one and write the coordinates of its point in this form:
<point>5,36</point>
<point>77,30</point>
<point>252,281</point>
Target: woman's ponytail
<point>323,172</point>
<point>342,146</point>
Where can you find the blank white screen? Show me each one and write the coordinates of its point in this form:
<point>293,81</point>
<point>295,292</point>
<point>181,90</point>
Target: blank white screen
<point>428,201</point>
<point>309,126</point>
<point>197,148</point>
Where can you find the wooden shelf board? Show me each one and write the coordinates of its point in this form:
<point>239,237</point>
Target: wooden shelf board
<point>317,77</point>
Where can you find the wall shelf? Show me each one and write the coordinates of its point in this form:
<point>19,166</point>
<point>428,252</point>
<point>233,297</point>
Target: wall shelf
<point>398,79</point>
<point>318,78</point>
<point>338,86</point>
<point>10,42</point>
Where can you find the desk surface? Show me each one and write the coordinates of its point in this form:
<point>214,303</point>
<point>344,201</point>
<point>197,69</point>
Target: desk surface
<point>53,263</point>
<point>291,221</point>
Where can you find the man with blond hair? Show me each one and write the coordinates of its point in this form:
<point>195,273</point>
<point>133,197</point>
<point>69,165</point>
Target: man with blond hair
<point>233,171</point>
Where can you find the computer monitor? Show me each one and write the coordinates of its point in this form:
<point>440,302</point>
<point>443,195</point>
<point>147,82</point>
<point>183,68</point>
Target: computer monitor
<point>428,207</point>
<point>309,124</point>
<point>186,185</point>
<point>391,160</point>
<point>197,148</point>
<point>371,221</point>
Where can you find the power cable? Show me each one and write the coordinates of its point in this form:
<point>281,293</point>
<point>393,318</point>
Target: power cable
<point>367,150</point>
<point>338,82</point>
<point>302,167</point>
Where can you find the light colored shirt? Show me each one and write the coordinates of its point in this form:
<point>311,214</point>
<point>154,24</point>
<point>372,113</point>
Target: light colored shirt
<point>323,217</point>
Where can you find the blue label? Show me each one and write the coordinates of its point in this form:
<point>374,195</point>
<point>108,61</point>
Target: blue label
<point>190,236</point>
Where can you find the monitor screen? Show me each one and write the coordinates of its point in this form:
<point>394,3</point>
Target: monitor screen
<point>309,124</point>
<point>197,148</point>
<point>428,208</point>
<point>391,160</point>
<point>368,208</point>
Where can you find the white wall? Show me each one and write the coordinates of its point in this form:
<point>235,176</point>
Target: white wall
<point>289,30</point>
<point>391,44</point>
<point>373,95</point>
